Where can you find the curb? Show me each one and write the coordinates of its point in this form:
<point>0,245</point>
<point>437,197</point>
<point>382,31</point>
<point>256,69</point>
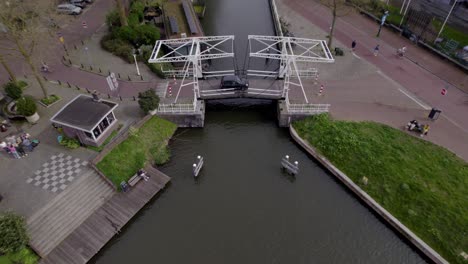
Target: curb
<point>369,201</point>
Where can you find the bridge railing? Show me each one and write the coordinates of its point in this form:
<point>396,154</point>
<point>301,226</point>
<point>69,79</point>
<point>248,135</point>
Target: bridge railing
<point>307,73</point>
<point>307,108</point>
<point>177,108</point>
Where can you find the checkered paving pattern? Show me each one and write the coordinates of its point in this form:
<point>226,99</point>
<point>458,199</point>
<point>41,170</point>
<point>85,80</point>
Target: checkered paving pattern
<point>57,173</point>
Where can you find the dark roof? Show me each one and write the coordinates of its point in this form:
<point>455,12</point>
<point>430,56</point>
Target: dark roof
<point>83,112</point>
<point>189,17</point>
<point>174,25</point>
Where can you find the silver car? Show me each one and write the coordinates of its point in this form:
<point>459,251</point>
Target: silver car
<point>68,9</point>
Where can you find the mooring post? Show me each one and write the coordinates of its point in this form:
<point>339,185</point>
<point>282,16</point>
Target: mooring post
<point>292,168</point>
<point>197,166</point>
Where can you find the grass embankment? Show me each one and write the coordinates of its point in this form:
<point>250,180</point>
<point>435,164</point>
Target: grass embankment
<point>149,143</point>
<point>451,33</point>
<point>425,186</point>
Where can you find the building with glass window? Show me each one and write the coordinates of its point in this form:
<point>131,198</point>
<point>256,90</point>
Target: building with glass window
<point>89,119</point>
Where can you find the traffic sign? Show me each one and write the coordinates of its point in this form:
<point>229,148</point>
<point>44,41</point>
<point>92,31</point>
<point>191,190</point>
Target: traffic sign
<point>443,92</point>
<point>84,24</point>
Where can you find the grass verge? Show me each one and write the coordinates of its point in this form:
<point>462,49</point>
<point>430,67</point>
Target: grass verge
<point>148,143</point>
<point>423,185</point>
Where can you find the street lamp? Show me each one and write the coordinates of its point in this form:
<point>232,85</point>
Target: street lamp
<point>384,17</point>
<point>136,64</point>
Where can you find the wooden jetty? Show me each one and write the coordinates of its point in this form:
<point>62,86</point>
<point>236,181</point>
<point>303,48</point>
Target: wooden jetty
<point>85,241</point>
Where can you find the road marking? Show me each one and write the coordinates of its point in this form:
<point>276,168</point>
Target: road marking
<point>354,54</point>
<point>405,92</point>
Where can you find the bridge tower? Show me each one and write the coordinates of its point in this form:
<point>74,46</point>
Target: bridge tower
<point>192,52</point>
<point>289,51</point>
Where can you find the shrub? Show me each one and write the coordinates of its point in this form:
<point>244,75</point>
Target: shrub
<point>148,100</point>
<point>117,47</point>
<point>133,20</point>
<point>137,9</point>
<point>26,106</point>
<point>146,34</point>
<point>14,90</point>
<point>71,143</point>
<point>13,236</point>
<point>113,19</point>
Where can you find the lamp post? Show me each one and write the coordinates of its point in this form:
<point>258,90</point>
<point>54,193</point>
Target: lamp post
<point>384,17</point>
<point>450,12</point>
<point>136,64</point>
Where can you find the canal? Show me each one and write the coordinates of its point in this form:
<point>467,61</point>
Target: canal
<point>243,209</point>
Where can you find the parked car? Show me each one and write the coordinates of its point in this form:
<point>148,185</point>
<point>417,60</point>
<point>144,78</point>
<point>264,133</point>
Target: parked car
<point>79,3</point>
<point>68,9</point>
<point>233,81</point>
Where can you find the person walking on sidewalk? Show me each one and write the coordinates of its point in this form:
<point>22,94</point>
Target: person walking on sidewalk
<point>376,50</point>
<point>353,45</point>
<point>425,130</point>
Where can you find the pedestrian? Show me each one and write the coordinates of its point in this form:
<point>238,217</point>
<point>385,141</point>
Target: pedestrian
<point>21,151</point>
<point>13,151</point>
<point>27,144</point>
<point>142,174</point>
<point>353,45</point>
<point>425,130</point>
<point>376,50</point>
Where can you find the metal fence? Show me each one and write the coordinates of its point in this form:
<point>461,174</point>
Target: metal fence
<point>176,108</point>
<point>307,108</point>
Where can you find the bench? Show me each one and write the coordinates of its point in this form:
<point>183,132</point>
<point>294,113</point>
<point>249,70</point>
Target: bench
<point>134,180</point>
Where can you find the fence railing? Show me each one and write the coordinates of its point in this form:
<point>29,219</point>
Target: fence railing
<point>307,108</point>
<point>176,108</point>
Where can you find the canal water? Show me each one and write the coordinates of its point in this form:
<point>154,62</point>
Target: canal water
<point>243,208</point>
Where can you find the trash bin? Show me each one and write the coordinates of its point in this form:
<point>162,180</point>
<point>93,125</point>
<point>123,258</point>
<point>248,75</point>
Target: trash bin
<point>434,114</point>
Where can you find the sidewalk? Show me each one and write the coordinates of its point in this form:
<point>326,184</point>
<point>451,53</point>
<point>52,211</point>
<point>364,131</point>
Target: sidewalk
<point>359,88</point>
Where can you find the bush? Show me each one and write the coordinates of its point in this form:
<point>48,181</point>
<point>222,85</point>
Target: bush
<point>148,100</point>
<point>24,256</point>
<point>13,236</point>
<point>71,143</point>
<point>146,34</point>
<point>117,47</point>
<point>137,9</point>
<point>26,106</point>
<point>14,90</point>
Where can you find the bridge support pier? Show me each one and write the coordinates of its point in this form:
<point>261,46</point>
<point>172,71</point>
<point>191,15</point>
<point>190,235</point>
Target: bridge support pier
<point>190,119</point>
<point>285,118</point>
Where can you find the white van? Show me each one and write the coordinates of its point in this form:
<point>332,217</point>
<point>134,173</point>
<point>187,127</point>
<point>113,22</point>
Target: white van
<point>68,9</point>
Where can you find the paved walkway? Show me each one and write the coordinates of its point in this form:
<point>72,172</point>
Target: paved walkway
<point>385,88</point>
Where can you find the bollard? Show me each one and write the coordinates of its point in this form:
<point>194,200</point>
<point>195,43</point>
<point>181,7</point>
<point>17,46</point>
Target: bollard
<point>63,57</point>
<point>120,98</point>
<point>129,78</point>
<point>87,90</point>
<point>108,73</point>
<point>100,70</point>
<point>77,87</point>
<point>134,99</point>
<point>82,42</point>
<point>75,46</point>
<point>82,65</point>
<point>118,74</point>
<point>141,77</point>
<point>90,67</point>
<point>59,82</point>
<point>45,78</point>
<point>69,86</point>
<point>25,76</point>
<point>69,61</point>
<point>108,96</point>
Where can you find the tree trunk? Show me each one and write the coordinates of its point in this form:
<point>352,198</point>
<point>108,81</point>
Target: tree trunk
<point>27,57</point>
<point>7,68</point>
<point>332,28</point>
<point>121,10</point>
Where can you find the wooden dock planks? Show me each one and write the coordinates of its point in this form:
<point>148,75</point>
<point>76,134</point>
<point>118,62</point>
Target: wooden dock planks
<point>85,241</point>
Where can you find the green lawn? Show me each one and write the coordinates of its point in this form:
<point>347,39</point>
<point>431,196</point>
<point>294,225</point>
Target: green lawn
<point>394,16</point>
<point>425,186</point>
<point>149,143</point>
<point>24,256</point>
<point>451,33</point>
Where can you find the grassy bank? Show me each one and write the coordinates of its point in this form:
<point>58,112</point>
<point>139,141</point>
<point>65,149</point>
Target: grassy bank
<point>423,185</point>
<point>147,144</point>
<point>24,256</point>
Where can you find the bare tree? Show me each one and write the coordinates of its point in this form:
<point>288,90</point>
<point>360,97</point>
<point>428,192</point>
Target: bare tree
<point>338,8</point>
<point>24,31</point>
<point>7,68</point>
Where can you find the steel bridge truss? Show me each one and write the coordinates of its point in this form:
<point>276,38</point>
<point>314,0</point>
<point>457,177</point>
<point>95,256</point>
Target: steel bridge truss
<point>289,51</point>
<point>192,52</point>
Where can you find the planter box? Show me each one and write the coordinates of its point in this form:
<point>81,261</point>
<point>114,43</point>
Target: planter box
<point>47,106</point>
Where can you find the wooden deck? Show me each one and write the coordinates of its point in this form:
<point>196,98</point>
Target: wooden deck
<point>81,245</point>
